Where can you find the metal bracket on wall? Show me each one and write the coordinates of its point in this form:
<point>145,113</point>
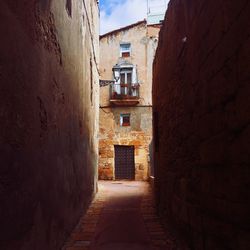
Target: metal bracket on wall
<point>104,83</point>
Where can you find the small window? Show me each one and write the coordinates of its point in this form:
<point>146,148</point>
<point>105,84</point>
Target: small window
<point>125,50</point>
<point>125,120</point>
<point>69,7</point>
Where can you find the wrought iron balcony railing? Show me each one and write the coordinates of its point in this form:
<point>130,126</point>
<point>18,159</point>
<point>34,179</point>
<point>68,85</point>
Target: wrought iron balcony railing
<point>124,91</point>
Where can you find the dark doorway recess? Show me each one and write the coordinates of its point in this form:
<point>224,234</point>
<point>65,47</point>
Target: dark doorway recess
<point>124,162</point>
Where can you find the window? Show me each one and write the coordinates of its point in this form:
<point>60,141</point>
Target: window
<point>69,7</point>
<point>91,80</point>
<point>126,77</point>
<point>125,120</point>
<point>125,49</point>
<point>126,81</point>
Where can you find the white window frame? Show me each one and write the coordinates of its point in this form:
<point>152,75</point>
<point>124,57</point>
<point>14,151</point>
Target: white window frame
<point>126,71</point>
<point>126,50</point>
<point>121,119</point>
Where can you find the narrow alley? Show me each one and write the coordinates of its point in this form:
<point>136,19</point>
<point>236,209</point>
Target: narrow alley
<point>125,125</point>
<point>122,216</point>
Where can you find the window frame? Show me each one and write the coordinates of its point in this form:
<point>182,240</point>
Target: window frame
<point>126,84</point>
<point>125,51</point>
<point>122,123</point>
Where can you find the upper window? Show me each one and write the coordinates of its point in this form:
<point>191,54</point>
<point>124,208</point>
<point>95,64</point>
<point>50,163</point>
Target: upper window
<point>125,49</point>
<point>69,7</point>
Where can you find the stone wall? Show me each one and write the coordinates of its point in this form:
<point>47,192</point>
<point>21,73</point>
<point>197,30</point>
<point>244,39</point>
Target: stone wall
<point>49,119</point>
<point>202,122</point>
<point>139,135</point>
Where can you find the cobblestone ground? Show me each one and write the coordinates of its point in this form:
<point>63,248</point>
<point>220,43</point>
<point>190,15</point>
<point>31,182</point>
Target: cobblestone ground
<point>90,233</point>
<point>159,236</point>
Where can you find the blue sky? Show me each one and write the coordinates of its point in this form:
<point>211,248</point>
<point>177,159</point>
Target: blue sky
<point>119,13</point>
<point>108,5</point>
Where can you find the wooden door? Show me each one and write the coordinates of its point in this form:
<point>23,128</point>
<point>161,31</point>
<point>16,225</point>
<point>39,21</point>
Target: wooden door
<point>124,162</point>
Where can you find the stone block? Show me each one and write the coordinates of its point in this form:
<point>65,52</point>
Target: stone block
<point>239,148</point>
<point>201,95</point>
<point>215,150</point>
<point>105,173</point>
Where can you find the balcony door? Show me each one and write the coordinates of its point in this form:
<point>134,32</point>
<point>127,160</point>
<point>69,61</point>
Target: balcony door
<point>126,81</point>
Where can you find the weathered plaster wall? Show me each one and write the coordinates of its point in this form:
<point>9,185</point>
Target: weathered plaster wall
<point>49,119</point>
<point>202,114</point>
<point>139,134</point>
<point>152,38</point>
<point>110,53</point>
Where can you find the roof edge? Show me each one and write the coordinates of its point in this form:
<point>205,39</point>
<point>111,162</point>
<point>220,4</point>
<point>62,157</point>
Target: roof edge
<point>123,28</point>
<point>156,25</point>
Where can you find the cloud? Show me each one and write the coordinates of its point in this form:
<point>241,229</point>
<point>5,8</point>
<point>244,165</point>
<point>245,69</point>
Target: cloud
<point>115,14</point>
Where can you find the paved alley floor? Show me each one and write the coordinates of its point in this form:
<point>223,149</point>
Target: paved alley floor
<point>121,217</point>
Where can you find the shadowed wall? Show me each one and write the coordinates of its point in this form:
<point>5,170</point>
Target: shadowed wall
<point>49,112</point>
<point>202,122</point>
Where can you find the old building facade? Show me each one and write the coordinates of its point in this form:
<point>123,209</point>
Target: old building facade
<point>126,56</point>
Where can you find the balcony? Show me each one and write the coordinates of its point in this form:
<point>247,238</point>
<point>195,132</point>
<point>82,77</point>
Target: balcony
<point>124,94</point>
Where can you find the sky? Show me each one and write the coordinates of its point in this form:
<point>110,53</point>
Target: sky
<point>115,14</point>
